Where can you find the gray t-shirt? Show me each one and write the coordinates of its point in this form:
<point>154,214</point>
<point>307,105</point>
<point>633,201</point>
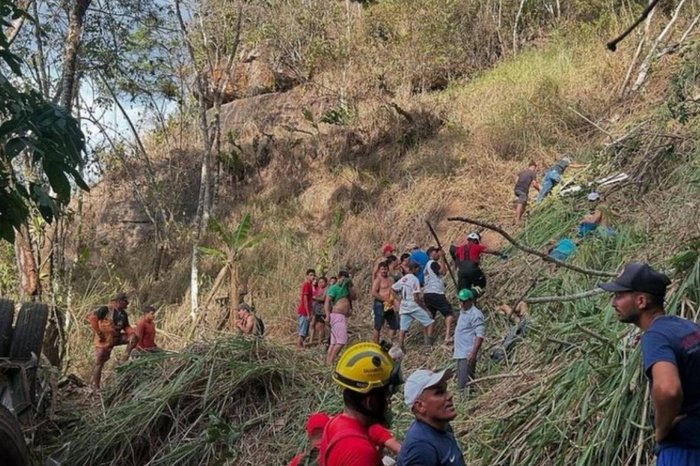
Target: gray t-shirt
<point>525,179</point>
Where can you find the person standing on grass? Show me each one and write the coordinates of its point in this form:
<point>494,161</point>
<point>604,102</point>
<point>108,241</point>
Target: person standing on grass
<point>523,181</point>
<point>146,330</point>
<point>467,258</point>
<point>319,313</point>
<point>338,307</point>
<point>469,335</point>
<point>383,307</point>
<point>430,440</point>
<point>421,258</point>
<point>434,289</point>
<point>411,307</point>
<point>304,308</point>
<point>364,371</point>
<point>671,358</point>
<point>110,326</point>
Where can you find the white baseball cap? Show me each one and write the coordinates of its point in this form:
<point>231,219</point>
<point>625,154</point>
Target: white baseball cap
<point>474,235</point>
<point>420,380</point>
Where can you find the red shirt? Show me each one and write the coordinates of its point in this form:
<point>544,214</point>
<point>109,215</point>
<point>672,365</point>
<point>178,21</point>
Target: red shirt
<point>354,448</point>
<point>146,332</point>
<point>307,292</point>
<point>475,251</point>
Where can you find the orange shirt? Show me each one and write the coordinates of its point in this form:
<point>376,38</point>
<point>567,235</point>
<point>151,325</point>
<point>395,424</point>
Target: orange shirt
<point>104,331</point>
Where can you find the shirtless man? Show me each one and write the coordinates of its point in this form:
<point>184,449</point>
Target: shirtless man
<point>387,250</point>
<point>338,307</point>
<point>383,306</point>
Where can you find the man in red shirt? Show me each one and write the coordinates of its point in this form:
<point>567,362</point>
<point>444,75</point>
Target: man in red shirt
<point>467,257</point>
<point>364,371</point>
<point>304,308</point>
<point>146,330</point>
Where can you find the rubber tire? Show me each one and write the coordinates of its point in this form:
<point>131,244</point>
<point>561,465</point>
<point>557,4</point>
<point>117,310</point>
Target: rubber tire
<point>7,315</point>
<point>29,331</point>
<point>13,450</point>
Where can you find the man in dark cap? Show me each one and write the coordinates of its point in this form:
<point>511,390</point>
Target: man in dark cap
<point>671,355</point>
<point>110,325</point>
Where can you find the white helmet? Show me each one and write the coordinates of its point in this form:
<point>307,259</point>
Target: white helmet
<point>474,235</point>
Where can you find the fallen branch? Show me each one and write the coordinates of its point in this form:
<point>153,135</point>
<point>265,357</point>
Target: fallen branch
<point>522,247</point>
<point>560,299</point>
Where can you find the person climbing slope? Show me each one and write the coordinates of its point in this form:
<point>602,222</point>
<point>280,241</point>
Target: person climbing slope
<point>467,258</point>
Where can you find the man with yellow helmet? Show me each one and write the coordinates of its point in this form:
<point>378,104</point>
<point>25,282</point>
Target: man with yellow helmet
<point>367,374</point>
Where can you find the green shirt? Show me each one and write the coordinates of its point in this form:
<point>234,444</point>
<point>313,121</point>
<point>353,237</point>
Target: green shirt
<point>339,291</point>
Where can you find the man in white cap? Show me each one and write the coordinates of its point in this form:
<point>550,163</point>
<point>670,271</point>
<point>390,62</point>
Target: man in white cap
<point>594,217</point>
<point>430,440</point>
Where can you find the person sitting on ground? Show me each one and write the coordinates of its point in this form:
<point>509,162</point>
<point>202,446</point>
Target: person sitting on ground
<point>421,258</point>
<point>434,290</point>
<point>304,308</point>
<point>364,371</point>
<point>247,323</point>
<point>314,431</point>
<point>522,189</point>
<point>110,325</point>
<point>467,258</point>
<point>338,307</point>
<point>430,440</point>
<point>383,306</point>
<point>469,335</point>
<point>146,330</point>
<point>591,221</point>
<point>387,250</point>
<point>411,307</point>
<point>318,330</point>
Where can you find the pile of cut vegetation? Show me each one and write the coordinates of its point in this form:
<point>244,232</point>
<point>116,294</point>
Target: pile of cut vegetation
<point>229,401</point>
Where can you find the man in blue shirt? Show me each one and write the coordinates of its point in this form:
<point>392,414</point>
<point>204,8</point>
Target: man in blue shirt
<point>429,440</point>
<point>671,355</point>
<point>421,258</point>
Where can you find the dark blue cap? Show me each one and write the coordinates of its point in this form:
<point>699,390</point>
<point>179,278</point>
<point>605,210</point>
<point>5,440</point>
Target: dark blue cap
<point>636,276</point>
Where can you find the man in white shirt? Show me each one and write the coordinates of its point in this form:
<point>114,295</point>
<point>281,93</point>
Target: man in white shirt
<point>469,334</point>
<point>411,307</point>
<point>434,289</point>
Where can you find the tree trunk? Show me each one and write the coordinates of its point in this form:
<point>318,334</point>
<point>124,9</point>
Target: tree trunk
<point>76,20</point>
<point>26,264</point>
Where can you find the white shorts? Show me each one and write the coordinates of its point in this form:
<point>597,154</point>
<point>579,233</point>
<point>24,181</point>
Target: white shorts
<point>418,314</point>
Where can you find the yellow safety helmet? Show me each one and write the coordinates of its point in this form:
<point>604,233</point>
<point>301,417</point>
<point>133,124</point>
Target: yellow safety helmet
<point>362,367</point>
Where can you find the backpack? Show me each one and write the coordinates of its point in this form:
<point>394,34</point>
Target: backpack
<point>259,327</point>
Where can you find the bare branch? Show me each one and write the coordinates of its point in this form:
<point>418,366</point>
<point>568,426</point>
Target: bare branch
<point>522,247</point>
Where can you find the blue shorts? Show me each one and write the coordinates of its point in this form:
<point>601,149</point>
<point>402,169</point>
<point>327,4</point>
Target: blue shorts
<point>678,456</point>
<point>418,314</point>
<point>303,326</point>
<point>381,316</point>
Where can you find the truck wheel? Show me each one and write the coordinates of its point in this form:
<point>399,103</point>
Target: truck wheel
<point>29,331</point>
<point>13,450</point>
<point>7,314</point>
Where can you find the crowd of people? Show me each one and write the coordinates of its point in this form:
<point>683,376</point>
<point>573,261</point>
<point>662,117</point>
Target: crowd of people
<point>369,374</point>
<point>411,287</point>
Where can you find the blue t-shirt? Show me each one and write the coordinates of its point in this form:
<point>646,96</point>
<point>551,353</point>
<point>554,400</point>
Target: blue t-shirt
<point>564,248</point>
<point>427,446</point>
<point>421,258</point>
<point>676,340</point>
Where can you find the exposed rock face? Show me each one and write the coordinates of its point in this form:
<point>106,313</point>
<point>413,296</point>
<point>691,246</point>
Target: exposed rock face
<point>251,75</point>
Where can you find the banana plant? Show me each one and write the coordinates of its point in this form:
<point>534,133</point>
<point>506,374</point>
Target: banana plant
<point>231,246</point>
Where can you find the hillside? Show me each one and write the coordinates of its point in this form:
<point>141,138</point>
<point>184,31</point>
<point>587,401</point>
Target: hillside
<point>327,180</point>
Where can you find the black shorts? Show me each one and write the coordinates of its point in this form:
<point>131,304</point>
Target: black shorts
<point>436,302</point>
